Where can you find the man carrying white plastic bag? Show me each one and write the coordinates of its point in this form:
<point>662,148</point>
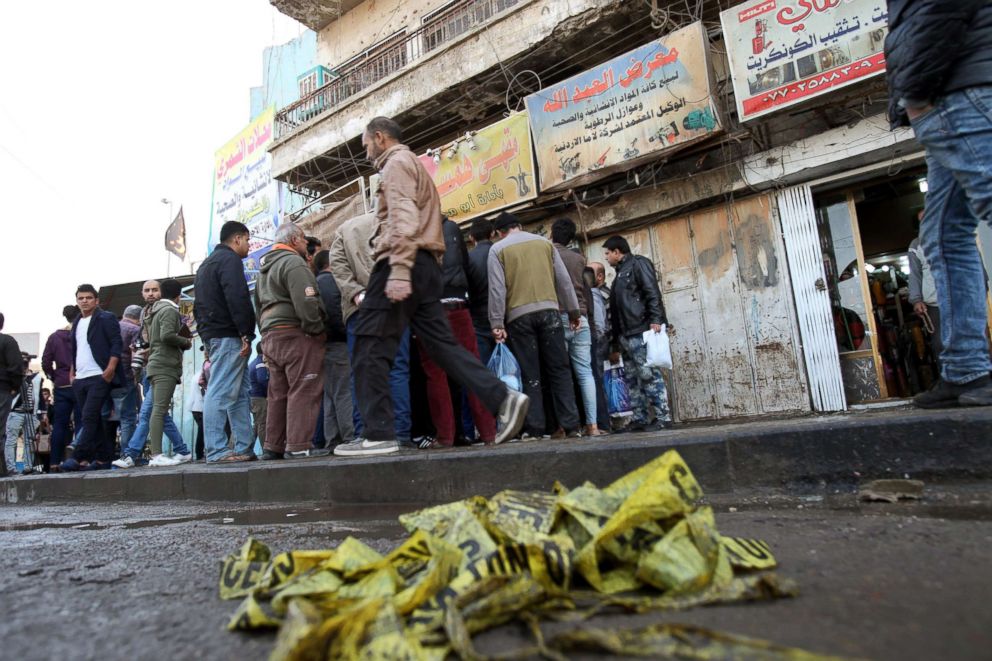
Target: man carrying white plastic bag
<point>637,324</point>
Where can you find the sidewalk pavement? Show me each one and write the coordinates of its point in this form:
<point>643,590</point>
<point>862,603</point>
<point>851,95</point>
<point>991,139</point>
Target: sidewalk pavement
<point>794,453</point>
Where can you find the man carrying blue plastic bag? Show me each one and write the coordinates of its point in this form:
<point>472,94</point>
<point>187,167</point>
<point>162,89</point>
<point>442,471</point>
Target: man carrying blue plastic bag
<point>636,308</point>
<point>528,282</point>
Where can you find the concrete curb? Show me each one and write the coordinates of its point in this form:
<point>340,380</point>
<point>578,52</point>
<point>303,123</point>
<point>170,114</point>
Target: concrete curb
<point>951,444</point>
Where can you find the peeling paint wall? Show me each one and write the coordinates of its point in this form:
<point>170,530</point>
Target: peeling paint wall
<point>725,285</point>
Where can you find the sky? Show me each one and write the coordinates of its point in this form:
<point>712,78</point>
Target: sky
<point>106,108</point>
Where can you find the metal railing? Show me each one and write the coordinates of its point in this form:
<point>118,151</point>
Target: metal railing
<point>388,58</point>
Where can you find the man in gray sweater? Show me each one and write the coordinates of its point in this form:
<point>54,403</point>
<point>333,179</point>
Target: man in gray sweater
<point>527,279</point>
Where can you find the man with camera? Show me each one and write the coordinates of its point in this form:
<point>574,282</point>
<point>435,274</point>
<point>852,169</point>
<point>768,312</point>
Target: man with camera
<point>133,446</point>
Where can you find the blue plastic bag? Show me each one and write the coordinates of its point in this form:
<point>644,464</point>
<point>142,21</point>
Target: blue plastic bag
<point>506,368</point>
<point>617,394</point>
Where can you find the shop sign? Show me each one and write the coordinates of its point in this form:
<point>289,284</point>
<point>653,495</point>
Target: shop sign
<point>488,170</point>
<point>624,112</point>
<point>244,189</point>
<point>783,52</point>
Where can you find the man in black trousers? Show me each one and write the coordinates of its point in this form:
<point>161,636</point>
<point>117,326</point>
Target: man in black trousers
<point>405,287</point>
<point>96,369</point>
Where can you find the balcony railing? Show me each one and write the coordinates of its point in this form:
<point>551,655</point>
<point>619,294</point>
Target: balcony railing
<point>389,58</point>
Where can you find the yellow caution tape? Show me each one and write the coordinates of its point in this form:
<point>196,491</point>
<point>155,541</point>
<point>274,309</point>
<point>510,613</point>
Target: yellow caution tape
<point>749,553</point>
<point>677,641</point>
<point>642,543</point>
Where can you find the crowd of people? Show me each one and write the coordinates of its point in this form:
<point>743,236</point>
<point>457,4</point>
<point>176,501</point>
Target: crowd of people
<point>343,329</point>
<point>399,297</point>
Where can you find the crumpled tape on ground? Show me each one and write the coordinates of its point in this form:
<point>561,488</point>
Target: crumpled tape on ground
<point>678,641</point>
<point>472,565</point>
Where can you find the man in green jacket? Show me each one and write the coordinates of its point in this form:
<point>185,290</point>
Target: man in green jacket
<point>167,339</point>
<point>291,318</point>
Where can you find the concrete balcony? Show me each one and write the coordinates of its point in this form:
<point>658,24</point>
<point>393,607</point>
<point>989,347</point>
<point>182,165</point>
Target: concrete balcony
<point>315,14</point>
<point>438,86</point>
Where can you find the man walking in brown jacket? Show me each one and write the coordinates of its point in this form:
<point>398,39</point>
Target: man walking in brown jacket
<point>291,318</point>
<point>405,288</point>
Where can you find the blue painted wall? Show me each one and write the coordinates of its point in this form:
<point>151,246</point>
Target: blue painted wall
<point>280,67</point>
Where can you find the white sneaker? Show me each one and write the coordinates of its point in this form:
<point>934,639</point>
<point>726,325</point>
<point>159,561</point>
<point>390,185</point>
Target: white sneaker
<point>123,462</point>
<point>363,446</point>
<point>512,413</point>
<point>160,460</point>
<point>182,458</point>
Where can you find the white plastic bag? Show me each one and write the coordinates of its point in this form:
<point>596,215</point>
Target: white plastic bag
<point>659,349</point>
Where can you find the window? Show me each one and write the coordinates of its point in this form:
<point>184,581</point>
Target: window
<point>456,18</point>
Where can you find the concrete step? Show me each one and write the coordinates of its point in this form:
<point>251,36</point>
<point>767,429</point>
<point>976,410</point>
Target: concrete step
<point>796,452</point>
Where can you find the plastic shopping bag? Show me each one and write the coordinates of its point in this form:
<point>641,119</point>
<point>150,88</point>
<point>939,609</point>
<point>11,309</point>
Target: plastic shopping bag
<point>617,394</point>
<point>506,368</point>
<point>659,349</point>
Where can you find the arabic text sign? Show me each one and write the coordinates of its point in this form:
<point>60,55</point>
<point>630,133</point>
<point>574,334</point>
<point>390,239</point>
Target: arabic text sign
<point>655,98</point>
<point>244,189</point>
<point>497,174</point>
<point>786,51</point>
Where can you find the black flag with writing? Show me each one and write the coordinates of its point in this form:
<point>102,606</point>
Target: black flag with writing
<point>175,236</point>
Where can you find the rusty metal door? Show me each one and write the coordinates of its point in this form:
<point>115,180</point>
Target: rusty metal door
<point>726,290</point>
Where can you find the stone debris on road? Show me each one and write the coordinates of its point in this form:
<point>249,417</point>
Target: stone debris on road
<point>892,491</point>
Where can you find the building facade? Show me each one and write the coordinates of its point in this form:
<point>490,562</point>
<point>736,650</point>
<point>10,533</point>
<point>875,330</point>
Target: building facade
<point>745,150</point>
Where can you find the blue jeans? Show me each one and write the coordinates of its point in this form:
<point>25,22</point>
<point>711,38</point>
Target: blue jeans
<point>126,406</point>
<point>486,344</point>
<point>136,444</point>
<point>65,409</point>
<point>227,398</point>
<point>957,136</point>
<point>20,424</point>
<point>399,385</point>
<point>579,345</point>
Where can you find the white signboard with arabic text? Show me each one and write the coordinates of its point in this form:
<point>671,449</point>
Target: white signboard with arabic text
<point>783,52</point>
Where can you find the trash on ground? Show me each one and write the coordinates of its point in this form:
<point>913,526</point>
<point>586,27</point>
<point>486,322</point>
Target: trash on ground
<point>643,543</point>
<point>892,491</point>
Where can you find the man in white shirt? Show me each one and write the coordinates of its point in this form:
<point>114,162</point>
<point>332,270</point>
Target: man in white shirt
<point>97,346</point>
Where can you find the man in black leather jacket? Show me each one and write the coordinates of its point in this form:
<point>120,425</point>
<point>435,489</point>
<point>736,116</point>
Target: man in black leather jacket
<point>481,234</point>
<point>939,63</point>
<point>636,307</point>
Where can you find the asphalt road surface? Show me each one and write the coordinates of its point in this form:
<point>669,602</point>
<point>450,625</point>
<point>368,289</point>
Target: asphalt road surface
<point>906,581</point>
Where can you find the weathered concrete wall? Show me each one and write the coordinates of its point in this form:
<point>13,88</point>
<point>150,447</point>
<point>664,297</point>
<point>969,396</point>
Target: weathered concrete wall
<point>514,33</point>
<point>370,22</point>
<point>314,14</point>
<point>844,149</point>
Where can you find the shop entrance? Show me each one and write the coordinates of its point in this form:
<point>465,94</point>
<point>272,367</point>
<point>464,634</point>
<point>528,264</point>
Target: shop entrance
<point>865,232</point>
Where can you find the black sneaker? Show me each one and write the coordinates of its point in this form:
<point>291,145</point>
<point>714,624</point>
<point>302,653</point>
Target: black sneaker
<point>426,442</point>
<point>980,396</point>
<point>945,395</point>
<point>271,455</point>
